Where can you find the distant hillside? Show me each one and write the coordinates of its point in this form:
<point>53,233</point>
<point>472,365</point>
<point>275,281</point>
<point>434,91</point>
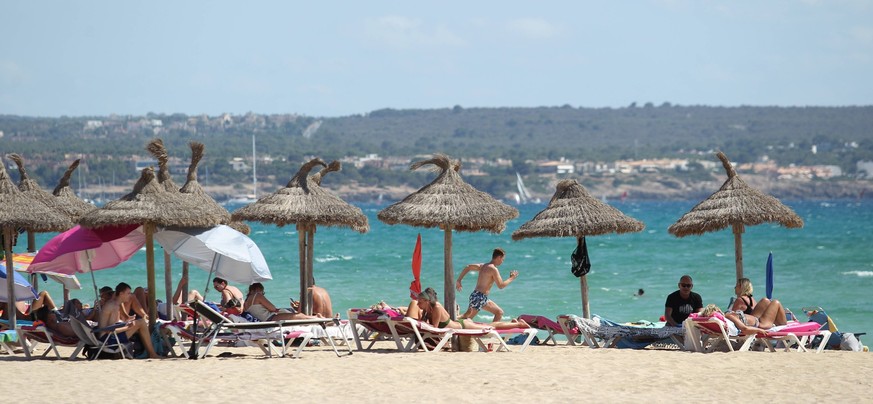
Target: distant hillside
<point>798,135</point>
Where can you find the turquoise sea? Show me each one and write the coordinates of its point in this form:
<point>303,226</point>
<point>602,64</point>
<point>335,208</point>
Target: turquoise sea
<point>827,263</point>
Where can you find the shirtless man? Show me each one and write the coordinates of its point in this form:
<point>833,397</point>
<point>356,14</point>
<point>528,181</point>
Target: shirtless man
<point>321,302</point>
<point>111,314</point>
<point>228,292</point>
<point>488,276</point>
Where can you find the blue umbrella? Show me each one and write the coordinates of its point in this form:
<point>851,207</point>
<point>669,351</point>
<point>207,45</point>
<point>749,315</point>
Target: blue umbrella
<point>23,290</point>
<point>770,276</point>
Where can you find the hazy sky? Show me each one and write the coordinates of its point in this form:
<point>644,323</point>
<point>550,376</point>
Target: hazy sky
<point>341,58</point>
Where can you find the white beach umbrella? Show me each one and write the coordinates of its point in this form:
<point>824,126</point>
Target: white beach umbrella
<point>221,250</point>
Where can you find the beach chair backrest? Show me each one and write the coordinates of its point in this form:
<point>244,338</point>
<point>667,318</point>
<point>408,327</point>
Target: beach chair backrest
<point>208,312</point>
<point>84,332</point>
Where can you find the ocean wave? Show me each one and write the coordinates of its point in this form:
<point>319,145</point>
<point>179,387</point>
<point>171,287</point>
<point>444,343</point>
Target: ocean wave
<point>330,258</point>
<point>860,274</point>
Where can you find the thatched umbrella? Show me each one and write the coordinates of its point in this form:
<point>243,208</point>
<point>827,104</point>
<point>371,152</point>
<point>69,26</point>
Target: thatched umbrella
<point>149,205</point>
<point>31,188</point>
<point>573,212</point>
<point>450,204</point>
<point>194,191</point>
<point>17,210</point>
<point>70,204</point>
<point>304,203</point>
<point>737,205</point>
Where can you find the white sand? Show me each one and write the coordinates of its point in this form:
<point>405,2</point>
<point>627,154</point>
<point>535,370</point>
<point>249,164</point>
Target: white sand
<point>541,374</point>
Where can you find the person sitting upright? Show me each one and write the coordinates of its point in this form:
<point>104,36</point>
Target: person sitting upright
<point>744,301</point>
<point>262,309</point>
<point>321,305</point>
<point>231,296</point>
<point>111,314</point>
<point>681,303</point>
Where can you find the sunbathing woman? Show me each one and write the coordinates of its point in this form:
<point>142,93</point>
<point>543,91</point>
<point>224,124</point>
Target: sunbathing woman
<point>773,314</point>
<point>744,301</point>
<point>439,317</point>
<point>262,309</point>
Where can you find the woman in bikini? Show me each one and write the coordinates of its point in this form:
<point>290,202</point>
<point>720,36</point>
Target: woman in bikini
<point>744,301</point>
<point>767,314</point>
<point>262,309</point>
<point>439,317</point>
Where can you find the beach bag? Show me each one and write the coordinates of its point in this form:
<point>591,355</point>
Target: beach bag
<point>849,342</point>
<point>158,342</point>
<point>581,263</point>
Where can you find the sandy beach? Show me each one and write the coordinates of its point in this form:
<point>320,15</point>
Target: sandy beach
<point>541,374</point>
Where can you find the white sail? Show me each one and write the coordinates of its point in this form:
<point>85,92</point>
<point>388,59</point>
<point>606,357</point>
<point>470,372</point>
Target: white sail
<point>523,194</point>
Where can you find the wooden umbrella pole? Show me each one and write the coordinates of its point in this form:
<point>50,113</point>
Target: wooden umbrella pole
<point>301,247</point>
<point>34,280</point>
<point>10,278</point>
<point>150,270</point>
<point>185,288</point>
<point>310,254</point>
<point>738,247</point>
<point>168,284</point>
<point>583,283</point>
<point>449,275</point>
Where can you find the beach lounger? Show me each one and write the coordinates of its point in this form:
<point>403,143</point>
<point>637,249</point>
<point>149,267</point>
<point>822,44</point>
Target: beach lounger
<point>714,332</point>
<point>374,326</point>
<point>273,330</point>
<point>424,331</point>
<point>602,333</point>
<point>7,337</point>
<point>179,332</point>
<point>31,335</point>
<point>835,341</point>
<point>111,342</point>
<point>552,327</point>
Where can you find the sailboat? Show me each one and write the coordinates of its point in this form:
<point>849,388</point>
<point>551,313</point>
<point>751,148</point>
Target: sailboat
<point>523,196</point>
<point>246,199</point>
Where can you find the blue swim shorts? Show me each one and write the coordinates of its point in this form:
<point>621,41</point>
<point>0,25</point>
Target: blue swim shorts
<point>478,300</point>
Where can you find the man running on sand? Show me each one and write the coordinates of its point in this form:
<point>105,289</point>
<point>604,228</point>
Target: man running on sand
<point>488,276</point>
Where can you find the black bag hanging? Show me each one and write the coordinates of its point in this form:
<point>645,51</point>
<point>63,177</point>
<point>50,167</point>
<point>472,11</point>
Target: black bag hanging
<point>581,263</point>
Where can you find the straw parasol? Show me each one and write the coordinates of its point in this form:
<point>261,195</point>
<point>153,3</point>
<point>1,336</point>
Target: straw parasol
<point>737,205</point>
<point>450,204</point>
<point>32,189</point>
<point>192,193</point>
<point>573,212</point>
<point>150,205</point>
<point>70,204</point>
<point>304,203</point>
<point>18,210</point>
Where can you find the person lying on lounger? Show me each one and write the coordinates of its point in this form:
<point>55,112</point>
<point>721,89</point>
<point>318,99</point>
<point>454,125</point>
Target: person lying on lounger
<point>25,311</point>
<point>771,314</point>
<point>262,309</point>
<point>439,317</point>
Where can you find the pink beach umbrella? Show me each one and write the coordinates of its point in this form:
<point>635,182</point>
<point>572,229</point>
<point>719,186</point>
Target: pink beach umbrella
<point>83,249</point>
